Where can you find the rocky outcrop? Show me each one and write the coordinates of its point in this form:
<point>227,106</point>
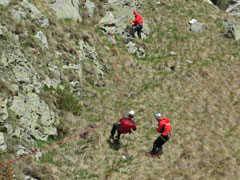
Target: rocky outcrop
<point>66,9</point>
<point>135,49</point>
<point>196,26</point>
<point>43,39</point>
<point>32,13</point>
<point>118,20</point>
<point>88,53</point>
<point>222,4</point>
<point>232,29</point>
<point>3,146</point>
<point>234,9</point>
<point>3,110</point>
<point>90,6</point>
<point>35,116</point>
<point>4,3</point>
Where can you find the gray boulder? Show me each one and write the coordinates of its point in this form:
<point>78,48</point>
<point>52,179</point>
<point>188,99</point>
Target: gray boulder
<point>88,53</point>
<point>234,9</point>
<point>18,14</point>
<point>66,9</point>
<point>222,4</point>
<point>90,6</point>
<point>197,27</point>
<point>108,24</point>
<point>135,49</point>
<point>35,116</point>
<point>3,146</point>
<point>34,14</point>
<point>3,110</point>
<point>4,3</point>
<point>232,29</point>
<point>43,39</point>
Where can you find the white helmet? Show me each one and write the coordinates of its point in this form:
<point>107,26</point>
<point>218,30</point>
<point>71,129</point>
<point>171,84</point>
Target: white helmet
<point>158,115</point>
<point>131,113</point>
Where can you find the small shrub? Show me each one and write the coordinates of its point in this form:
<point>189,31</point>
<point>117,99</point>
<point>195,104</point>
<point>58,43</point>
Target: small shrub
<point>67,101</point>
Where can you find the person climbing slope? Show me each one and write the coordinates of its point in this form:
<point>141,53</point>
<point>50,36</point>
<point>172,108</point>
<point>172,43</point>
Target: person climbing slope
<point>126,125</point>
<point>137,25</point>
<point>164,128</point>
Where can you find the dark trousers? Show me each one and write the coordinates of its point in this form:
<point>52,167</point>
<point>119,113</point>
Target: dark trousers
<point>138,29</point>
<point>115,127</point>
<point>157,145</point>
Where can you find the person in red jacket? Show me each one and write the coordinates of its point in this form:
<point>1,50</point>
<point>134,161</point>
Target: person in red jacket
<point>137,25</point>
<point>126,125</point>
<point>164,128</point>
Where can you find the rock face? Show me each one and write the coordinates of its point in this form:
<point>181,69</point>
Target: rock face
<point>66,9</point>
<point>3,110</point>
<point>42,38</point>
<point>234,9</point>
<point>196,26</point>
<point>34,116</point>
<point>3,146</point>
<point>33,13</point>
<point>119,18</point>
<point>133,48</point>
<point>232,29</point>
<point>90,6</point>
<point>4,3</point>
<point>88,53</point>
<point>222,4</point>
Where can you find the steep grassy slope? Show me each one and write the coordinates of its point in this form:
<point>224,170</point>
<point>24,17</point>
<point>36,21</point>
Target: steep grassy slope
<point>198,89</point>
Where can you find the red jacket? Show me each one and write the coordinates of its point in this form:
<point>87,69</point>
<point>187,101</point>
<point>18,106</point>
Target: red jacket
<point>138,19</point>
<point>127,123</point>
<point>164,127</point>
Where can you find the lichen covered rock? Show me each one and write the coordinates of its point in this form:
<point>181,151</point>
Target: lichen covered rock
<point>66,9</point>
<point>34,14</point>
<point>35,116</point>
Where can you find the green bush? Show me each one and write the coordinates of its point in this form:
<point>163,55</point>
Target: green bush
<point>67,101</point>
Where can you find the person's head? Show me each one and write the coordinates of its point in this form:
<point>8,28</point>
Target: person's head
<point>158,116</point>
<point>131,113</point>
<point>135,12</point>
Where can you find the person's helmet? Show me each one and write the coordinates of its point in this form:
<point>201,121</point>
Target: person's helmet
<point>158,115</point>
<point>134,12</point>
<point>131,113</point>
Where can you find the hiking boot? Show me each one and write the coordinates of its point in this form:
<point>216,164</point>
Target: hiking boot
<point>111,137</point>
<point>159,156</point>
<point>150,154</point>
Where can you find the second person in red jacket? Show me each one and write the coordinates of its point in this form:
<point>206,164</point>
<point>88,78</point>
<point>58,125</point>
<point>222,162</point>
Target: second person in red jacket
<point>137,25</point>
<point>126,125</point>
<point>164,128</point>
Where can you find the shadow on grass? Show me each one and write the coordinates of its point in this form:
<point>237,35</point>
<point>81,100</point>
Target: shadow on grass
<point>114,144</point>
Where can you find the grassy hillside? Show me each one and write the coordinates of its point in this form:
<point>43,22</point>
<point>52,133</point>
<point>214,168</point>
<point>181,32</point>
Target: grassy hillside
<point>198,89</point>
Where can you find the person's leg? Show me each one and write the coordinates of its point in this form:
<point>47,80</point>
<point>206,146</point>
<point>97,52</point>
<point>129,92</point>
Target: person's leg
<point>155,146</point>
<point>114,128</point>
<point>118,136</point>
<point>132,31</point>
<point>139,31</point>
<point>160,143</point>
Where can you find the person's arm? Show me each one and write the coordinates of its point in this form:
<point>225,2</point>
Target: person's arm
<point>161,127</point>
<point>135,20</point>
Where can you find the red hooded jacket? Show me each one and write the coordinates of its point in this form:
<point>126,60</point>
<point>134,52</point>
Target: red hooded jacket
<point>164,127</point>
<point>127,123</point>
<point>138,19</point>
